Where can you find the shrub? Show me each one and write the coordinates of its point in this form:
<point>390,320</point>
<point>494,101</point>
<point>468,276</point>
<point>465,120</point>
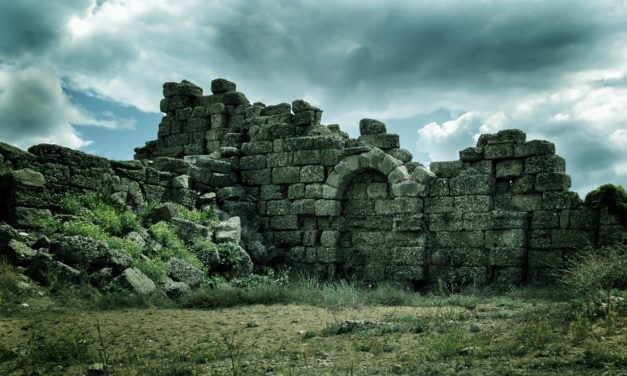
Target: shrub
<point>201,217</point>
<point>612,196</point>
<point>591,275</point>
<point>155,268</point>
<point>172,246</point>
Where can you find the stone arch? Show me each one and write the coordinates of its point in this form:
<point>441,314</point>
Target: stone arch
<point>402,183</point>
<point>380,235</point>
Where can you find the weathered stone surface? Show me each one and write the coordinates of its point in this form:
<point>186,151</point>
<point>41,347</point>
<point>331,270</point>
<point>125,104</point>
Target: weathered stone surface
<point>382,141</point>
<point>471,182</point>
<point>552,181</point>
<point>28,177</point>
<point>136,281</point>
<point>229,231</point>
<point>371,126</point>
<point>328,208</point>
<point>533,148</point>
<point>188,230</point>
<point>19,252</point>
<point>446,169</point>
<point>221,85</point>
<point>509,169</point>
<point>471,154</point>
<point>545,163</point>
<point>182,271</point>
<point>175,290</point>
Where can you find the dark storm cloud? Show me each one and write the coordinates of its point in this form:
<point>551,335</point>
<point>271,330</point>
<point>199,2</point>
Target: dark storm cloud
<point>489,45</point>
<point>31,27</point>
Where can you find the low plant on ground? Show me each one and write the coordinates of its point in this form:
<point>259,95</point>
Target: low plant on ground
<point>593,278</point>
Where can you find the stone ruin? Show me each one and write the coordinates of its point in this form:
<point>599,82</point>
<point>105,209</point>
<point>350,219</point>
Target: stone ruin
<point>318,201</point>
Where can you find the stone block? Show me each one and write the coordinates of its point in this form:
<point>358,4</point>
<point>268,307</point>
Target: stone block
<point>278,207</point>
<point>446,169</point>
<point>545,163</point>
<point>218,121</point>
<point>476,204</point>
<point>272,192</point>
<point>358,208</point>
<point>572,238</point>
<point>460,257</point>
<point>471,154</point>
<point>305,206</point>
<point>311,238</point>
<point>439,204</point>
<point>327,255</point>
<point>439,187</point>
<point>252,162</point>
<point>329,238</point>
<point>376,190</point>
<point>382,141</point>
<point>457,239</point>
<point>371,126</point>
<point>313,191</point>
<point>409,188</point>
<point>498,151</point>
<point>420,174</point>
<point>509,220</point>
<point>523,184</point>
<point>545,220</point>
<point>287,238</point>
<point>257,147</point>
<point>526,202</point>
<point>509,168</point>
<point>534,148</point>
<point>552,181</point>
<point>408,222</point>
<point>296,191</point>
<point>286,175</point>
<point>235,98</point>
<point>470,182</point>
<point>356,191</point>
<point>399,205</point>
<point>284,222</point>
<point>402,155</point>
<point>330,208</point>
<point>507,256</point>
<point>399,175</point>
<point>560,200</point>
<point>477,221</point>
<point>328,143</point>
<point>485,166</point>
<point>330,157</point>
<point>278,159</point>
<point>513,238</point>
<point>221,85</point>
<point>545,258</point>
<point>408,255</point>
<point>306,157</point>
<point>451,221</point>
<point>298,143</point>
<point>540,239</point>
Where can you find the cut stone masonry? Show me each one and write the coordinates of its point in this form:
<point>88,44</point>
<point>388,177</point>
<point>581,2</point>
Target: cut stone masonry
<point>332,205</point>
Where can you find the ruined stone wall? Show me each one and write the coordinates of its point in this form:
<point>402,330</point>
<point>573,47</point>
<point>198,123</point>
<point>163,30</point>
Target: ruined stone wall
<point>362,207</point>
<point>333,205</point>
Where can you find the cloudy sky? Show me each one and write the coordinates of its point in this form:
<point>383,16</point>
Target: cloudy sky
<point>88,74</point>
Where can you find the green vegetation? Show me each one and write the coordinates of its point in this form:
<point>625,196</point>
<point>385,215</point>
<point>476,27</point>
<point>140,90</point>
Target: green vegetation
<point>612,196</point>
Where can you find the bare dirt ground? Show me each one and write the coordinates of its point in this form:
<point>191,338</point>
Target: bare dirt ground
<point>487,339</point>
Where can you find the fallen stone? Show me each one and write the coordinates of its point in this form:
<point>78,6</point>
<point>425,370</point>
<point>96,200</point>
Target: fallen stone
<point>135,281</point>
<point>229,231</point>
<point>182,271</point>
